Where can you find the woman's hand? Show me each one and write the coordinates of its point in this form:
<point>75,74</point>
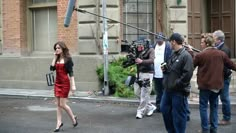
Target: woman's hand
<point>55,55</point>
<point>54,59</point>
<point>73,89</point>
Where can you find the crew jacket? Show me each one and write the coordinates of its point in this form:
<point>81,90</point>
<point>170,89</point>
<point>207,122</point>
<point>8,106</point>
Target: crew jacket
<point>179,73</point>
<point>223,47</point>
<point>210,63</point>
<point>147,66</point>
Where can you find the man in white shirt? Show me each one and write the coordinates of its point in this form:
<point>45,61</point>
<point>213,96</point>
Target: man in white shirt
<point>162,53</point>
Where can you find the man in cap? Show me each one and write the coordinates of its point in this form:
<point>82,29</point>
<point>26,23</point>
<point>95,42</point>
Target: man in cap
<point>177,72</point>
<point>162,53</point>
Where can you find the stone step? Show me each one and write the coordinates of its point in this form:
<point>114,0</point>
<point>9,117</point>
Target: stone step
<point>194,85</point>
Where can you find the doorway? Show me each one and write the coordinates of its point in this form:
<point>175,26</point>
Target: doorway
<point>211,15</point>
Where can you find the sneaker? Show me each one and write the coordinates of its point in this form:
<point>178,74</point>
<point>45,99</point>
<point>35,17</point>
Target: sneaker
<point>150,112</point>
<point>139,116</point>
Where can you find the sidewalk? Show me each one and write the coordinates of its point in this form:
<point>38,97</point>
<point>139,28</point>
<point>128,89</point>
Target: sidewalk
<point>88,96</point>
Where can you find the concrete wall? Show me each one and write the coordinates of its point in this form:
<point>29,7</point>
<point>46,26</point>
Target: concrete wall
<point>0,27</point>
<point>21,69</point>
<point>194,86</point>
<point>91,28</point>
<point>29,72</point>
<point>177,17</point>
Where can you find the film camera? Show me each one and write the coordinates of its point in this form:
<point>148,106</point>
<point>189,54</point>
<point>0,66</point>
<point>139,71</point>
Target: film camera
<point>136,50</point>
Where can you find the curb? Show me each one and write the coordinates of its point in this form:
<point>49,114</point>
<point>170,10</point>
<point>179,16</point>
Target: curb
<point>107,100</point>
<point>100,99</point>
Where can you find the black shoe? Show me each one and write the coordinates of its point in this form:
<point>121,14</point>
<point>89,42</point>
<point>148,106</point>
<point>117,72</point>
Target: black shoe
<point>58,129</point>
<point>188,118</point>
<point>157,110</point>
<point>76,122</point>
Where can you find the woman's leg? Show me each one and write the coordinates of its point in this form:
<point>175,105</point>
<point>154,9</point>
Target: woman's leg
<point>59,112</point>
<point>67,109</point>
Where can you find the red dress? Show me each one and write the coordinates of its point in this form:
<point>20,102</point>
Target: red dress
<point>62,84</point>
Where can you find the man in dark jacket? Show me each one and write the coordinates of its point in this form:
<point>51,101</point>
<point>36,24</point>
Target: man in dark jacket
<point>224,95</point>
<point>177,75</point>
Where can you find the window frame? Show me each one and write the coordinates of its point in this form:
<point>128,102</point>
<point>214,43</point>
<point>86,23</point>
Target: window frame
<point>30,29</point>
<point>137,13</point>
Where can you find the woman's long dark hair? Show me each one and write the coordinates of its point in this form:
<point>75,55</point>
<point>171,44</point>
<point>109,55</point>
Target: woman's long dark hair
<point>65,50</point>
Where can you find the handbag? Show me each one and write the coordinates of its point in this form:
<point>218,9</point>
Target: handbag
<point>50,79</point>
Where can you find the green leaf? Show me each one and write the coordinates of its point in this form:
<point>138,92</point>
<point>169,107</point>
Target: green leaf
<point>178,2</point>
<point>117,76</point>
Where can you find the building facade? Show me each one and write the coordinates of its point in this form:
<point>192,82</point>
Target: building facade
<point>30,28</point>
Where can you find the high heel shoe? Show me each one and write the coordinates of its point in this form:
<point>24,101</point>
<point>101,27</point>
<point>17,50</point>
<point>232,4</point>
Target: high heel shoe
<point>58,129</point>
<point>76,122</point>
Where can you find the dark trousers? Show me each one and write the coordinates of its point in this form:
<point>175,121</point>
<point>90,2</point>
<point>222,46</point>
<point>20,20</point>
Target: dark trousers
<point>174,111</point>
<point>159,90</point>
<point>225,99</point>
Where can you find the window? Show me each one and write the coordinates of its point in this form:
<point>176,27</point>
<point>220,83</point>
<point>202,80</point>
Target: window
<point>138,13</point>
<point>44,24</point>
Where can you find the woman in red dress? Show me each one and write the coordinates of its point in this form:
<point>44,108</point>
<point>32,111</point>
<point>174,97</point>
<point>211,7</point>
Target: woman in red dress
<point>63,65</point>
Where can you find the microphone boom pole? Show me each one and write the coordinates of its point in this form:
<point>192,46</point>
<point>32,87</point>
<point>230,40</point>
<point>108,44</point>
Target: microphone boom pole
<point>84,11</point>
<point>152,33</point>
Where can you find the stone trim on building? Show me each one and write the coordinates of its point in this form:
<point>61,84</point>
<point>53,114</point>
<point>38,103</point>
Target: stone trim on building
<point>90,42</point>
<point>1,27</point>
<point>177,17</point>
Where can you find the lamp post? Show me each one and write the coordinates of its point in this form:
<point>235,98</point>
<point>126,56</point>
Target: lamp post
<point>105,49</point>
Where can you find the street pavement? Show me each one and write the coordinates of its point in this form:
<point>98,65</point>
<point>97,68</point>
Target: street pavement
<point>39,116</point>
<point>34,111</point>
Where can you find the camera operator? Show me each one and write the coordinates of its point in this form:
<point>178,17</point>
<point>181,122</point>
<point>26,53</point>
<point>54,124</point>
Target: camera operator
<point>143,83</point>
<point>178,71</point>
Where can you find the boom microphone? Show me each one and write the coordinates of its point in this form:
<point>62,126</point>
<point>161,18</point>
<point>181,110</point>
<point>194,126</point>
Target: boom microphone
<point>70,8</point>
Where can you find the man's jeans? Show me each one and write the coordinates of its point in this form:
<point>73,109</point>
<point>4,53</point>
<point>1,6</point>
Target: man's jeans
<point>212,97</point>
<point>188,110</point>
<point>174,111</point>
<point>159,90</point>
<point>225,99</point>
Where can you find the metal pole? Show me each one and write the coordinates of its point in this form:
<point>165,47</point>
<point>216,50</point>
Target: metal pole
<point>105,49</point>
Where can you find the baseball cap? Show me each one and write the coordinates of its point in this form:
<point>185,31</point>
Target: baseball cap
<point>177,37</point>
<point>160,36</point>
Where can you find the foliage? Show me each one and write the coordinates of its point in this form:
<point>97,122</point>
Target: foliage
<point>117,76</point>
<point>178,2</point>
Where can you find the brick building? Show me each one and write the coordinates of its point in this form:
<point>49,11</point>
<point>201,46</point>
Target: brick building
<point>29,29</point>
